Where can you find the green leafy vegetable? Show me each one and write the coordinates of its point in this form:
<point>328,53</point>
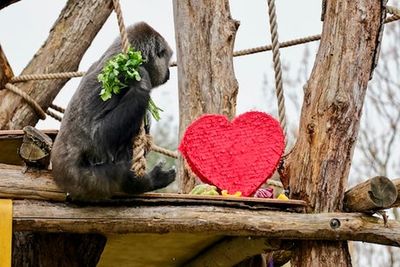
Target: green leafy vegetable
<point>123,66</point>
<point>154,110</point>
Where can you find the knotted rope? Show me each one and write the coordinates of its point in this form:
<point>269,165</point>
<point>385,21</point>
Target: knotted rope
<point>141,144</point>
<point>277,66</point>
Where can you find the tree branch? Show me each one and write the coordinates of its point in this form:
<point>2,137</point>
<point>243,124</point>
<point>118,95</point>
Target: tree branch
<point>63,50</point>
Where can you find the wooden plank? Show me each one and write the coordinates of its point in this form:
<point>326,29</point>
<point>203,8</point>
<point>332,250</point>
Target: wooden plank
<point>40,186</point>
<point>30,215</point>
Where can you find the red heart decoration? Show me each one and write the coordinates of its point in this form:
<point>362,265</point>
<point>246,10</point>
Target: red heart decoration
<point>234,156</point>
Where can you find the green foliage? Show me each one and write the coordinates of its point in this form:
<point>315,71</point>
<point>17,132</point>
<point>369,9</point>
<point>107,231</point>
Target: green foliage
<point>121,66</point>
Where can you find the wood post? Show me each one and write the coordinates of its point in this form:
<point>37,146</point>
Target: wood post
<point>205,35</point>
<point>318,165</point>
<point>374,194</point>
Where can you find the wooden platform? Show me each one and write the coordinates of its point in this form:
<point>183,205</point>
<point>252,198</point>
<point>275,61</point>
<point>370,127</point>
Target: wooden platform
<point>152,229</point>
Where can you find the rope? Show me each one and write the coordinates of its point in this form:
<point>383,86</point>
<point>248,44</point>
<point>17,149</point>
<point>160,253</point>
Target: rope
<point>121,25</point>
<point>28,98</point>
<point>264,48</point>
<point>54,115</point>
<point>277,66</point>
<point>164,151</point>
<point>142,141</point>
<point>141,145</point>
<point>59,109</point>
<point>47,76</point>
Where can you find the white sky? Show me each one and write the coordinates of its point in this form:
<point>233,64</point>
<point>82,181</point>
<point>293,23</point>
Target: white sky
<point>296,19</point>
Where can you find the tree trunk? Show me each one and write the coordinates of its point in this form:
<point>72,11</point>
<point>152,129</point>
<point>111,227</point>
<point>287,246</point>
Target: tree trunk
<point>63,50</point>
<point>319,163</point>
<point>69,38</point>
<point>6,72</point>
<point>205,34</point>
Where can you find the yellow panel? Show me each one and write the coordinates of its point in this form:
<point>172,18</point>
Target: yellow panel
<point>5,232</point>
<point>147,250</point>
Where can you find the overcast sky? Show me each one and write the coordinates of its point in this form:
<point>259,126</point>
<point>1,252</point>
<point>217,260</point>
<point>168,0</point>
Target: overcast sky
<point>296,19</point>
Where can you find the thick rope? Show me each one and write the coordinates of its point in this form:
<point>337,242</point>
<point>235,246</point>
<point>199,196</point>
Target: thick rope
<point>121,25</point>
<point>59,109</point>
<point>265,48</point>
<point>164,151</point>
<point>54,115</point>
<point>141,145</point>
<point>277,66</point>
<point>38,109</point>
<point>141,142</point>
<point>47,76</point>
<point>238,53</point>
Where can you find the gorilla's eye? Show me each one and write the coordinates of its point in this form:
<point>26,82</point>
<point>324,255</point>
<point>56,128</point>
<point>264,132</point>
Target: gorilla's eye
<point>162,53</point>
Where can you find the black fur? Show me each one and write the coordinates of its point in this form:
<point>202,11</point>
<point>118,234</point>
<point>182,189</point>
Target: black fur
<point>92,153</point>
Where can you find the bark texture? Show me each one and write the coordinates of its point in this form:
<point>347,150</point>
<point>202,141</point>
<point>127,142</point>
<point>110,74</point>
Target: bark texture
<point>377,193</point>
<point>68,40</point>
<point>6,72</point>
<point>205,34</point>
<point>396,182</point>
<point>319,163</point>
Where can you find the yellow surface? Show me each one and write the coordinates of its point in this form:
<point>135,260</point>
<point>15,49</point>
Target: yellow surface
<point>5,232</point>
<point>147,250</point>
<point>282,197</point>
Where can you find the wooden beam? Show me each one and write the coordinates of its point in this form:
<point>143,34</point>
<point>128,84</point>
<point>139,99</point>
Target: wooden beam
<point>374,194</point>
<point>231,251</point>
<point>396,182</point>
<point>39,185</point>
<point>6,72</point>
<point>62,51</point>
<point>30,215</point>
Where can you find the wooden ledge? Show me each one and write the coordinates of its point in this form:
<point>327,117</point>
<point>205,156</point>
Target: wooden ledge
<point>30,215</point>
